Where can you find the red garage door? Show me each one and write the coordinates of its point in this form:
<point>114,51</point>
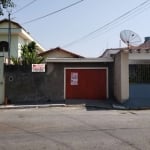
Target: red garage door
<point>86,83</point>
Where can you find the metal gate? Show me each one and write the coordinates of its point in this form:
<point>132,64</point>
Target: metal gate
<point>84,83</point>
<point>139,78</point>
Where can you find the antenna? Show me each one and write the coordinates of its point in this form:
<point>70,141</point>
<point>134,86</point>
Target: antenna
<point>130,38</point>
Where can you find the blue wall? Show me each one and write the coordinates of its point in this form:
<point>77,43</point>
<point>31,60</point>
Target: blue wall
<point>139,95</point>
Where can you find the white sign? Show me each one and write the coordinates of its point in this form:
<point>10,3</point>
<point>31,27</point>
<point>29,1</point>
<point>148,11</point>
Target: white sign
<point>74,78</point>
<point>38,67</point>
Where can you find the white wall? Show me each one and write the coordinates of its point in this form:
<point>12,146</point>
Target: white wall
<point>121,77</point>
<point>14,46</point>
<point>18,37</point>
<point>139,56</point>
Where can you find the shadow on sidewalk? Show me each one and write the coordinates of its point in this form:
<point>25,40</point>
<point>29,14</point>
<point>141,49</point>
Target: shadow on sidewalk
<point>91,104</point>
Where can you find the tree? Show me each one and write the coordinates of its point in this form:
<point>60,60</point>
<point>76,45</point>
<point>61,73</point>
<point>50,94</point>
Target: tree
<point>4,4</point>
<point>29,55</point>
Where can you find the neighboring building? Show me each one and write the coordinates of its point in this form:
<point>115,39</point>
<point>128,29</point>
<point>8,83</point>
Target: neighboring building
<point>19,36</point>
<point>132,73</point>
<point>59,53</point>
<point>137,55</point>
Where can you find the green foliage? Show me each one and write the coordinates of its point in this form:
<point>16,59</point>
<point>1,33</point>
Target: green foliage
<point>28,55</point>
<point>16,61</point>
<point>4,4</point>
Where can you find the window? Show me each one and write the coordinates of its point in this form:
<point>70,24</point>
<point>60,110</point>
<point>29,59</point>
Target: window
<point>3,46</point>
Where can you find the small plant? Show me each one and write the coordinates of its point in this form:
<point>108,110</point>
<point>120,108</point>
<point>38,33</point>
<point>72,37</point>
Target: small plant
<point>16,61</point>
<point>29,55</point>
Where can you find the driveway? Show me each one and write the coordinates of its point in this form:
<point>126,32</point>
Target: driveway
<point>74,128</point>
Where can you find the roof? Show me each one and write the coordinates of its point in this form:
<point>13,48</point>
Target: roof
<point>13,22</point>
<point>58,49</point>
<point>133,49</point>
<point>146,45</point>
<point>112,51</point>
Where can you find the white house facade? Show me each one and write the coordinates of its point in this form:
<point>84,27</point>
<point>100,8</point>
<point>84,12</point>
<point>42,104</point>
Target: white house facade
<point>19,36</point>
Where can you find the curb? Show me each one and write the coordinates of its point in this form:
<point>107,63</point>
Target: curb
<point>30,106</point>
<point>37,106</point>
<point>94,107</point>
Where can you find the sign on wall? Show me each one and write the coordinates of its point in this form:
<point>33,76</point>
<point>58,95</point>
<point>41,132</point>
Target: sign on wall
<point>38,67</point>
<point>74,78</point>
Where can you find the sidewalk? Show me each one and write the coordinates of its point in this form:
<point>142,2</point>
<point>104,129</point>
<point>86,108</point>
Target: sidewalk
<point>88,104</point>
<point>30,106</point>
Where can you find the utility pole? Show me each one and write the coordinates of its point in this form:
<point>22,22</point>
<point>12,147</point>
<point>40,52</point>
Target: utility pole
<point>9,37</point>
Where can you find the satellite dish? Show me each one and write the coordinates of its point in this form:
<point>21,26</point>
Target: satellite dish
<point>130,38</point>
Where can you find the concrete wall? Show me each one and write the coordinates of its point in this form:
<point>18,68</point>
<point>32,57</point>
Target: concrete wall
<point>140,91</point>
<point>121,77</point>
<point>139,56</point>
<point>23,86</point>
<point>139,95</point>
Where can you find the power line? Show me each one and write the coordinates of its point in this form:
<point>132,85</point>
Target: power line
<point>27,5</point>
<point>54,12</point>
<point>113,22</point>
<point>125,18</point>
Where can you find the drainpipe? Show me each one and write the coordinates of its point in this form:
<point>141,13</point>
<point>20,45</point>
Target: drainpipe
<point>9,37</point>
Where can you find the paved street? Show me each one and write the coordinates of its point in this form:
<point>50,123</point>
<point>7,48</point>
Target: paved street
<point>74,128</point>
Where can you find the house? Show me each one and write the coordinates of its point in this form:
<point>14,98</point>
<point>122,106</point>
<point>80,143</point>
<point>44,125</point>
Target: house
<point>19,36</point>
<point>59,53</point>
<point>134,77</point>
<point>64,79</point>
<point>122,74</point>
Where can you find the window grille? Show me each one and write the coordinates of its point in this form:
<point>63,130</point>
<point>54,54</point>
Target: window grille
<point>139,73</point>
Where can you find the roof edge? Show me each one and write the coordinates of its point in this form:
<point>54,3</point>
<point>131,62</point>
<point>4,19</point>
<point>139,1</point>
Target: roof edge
<point>76,60</point>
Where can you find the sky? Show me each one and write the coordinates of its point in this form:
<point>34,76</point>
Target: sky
<point>69,27</point>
